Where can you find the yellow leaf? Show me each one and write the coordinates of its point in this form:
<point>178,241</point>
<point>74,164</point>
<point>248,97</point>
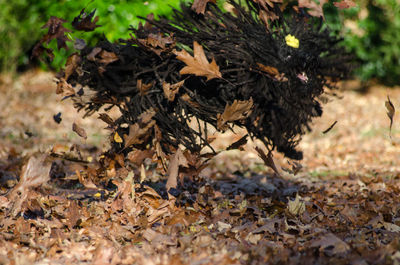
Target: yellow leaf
<point>292,41</point>
<point>117,138</point>
<point>198,64</point>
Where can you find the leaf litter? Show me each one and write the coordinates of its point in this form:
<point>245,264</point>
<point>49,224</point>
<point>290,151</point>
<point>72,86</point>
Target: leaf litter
<point>65,209</point>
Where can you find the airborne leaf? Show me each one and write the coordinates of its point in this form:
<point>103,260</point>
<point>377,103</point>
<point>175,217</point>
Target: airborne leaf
<point>314,8</point>
<point>198,64</point>
<point>390,112</point>
<point>199,6</point>
<point>84,21</point>
<point>344,4</point>
<point>79,131</point>
<point>240,109</point>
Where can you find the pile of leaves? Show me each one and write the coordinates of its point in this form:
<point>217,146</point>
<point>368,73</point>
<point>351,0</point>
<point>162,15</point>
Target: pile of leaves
<point>269,66</point>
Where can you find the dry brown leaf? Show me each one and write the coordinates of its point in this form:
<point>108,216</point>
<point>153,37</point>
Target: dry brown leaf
<point>171,90</point>
<point>390,112</point>
<point>178,159</point>
<point>238,110</point>
<point>143,88</point>
<point>264,3</point>
<point>106,118</point>
<point>34,173</point>
<point>315,9</point>
<point>64,88</point>
<point>199,6</point>
<point>267,16</point>
<point>198,64</point>
<point>72,63</point>
<point>268,160</point>
<point>107,57</point>
<point>92,55</point>
<point>331,244</point>
<point>273,72</point>
<point>139,131</point>
<point>79,131</point>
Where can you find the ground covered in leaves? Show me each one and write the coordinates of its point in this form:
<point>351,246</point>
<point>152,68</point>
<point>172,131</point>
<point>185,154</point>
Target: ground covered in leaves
<point>340,206</point>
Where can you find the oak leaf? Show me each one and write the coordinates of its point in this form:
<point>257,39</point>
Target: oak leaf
<point>198,64</point>
<point>143,88</point>
<point>171,90</point>
<point>178,159</point>
<point>238,110</point>
<point>84,21</point>
<point>139,131</point>
<point>199,6</point>
<point>315,9</point>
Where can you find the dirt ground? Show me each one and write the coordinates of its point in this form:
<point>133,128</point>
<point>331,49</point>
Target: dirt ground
<point>341,207</point>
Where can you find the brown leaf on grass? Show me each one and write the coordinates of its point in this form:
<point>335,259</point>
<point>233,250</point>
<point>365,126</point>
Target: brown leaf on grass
<point>73,62</point>
<point>345,4</point>
<point>79,131</point>
<point>178,159</point>
<point>139,131</point>
<point>171,90</point>
<point>238,110</point>
<point>199,6</point>
<point>315,9</point>
<point>143,88</point>
<point>84,21</point>
<point>268,159</point>
<point>390,112</point>
<point>273,72</point>
<point>34,173</point>
<point>198,64</point>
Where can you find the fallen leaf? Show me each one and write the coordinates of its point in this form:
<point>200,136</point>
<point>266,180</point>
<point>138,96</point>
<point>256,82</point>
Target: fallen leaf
<point>84,21</point>
<point>139,131</point>
<point>64,88</point>
<point>72,63</point>
<point>178,159</point>
<point>264,3</point>
<point>106,118</point>
<point>273,72</point>
<point>143,88</point>
<point>331,244</point>
<point>34,173</point>
<point>297,206</point>
<point>92,55</point>
<point>79,130</point>
<point>390,112</point>
<point>107,57</point>
<point>171,90</point>
<point>238,144</point>
<point>198,64</point>
<point>238,110</point>
<point>268,159</point>
<point>199,6</point>
<point>117,138</point>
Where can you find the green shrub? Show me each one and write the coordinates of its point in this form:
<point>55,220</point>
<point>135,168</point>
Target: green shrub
<point>372,34</point>
<point>21,22</point>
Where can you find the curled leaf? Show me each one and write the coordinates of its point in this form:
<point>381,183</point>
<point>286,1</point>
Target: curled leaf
<point>390,112</point>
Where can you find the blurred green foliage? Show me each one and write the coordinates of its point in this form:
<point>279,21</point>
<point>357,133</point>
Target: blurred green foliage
<point>21,22</point>
<point>372,33</point>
